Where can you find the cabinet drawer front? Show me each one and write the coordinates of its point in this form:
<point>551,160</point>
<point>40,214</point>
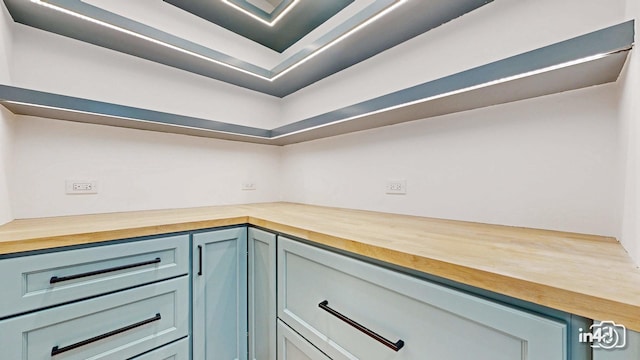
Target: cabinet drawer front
<point>114,326</point>
<point>431,320</point>
<point>178,350</point>
<point>292,346</point>
<point>38,281</point>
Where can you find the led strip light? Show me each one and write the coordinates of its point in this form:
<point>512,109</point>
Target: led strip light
<point>374,112</point>
<point>341,38</point>
<point>132,119</point>
<point>454,92</point>
<point>469,88</point>
<point>315,53</point>
<point>273,22</point>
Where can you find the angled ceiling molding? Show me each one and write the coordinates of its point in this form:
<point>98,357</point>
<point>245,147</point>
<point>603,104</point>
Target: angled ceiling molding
<point>588,60</point>
<point>268,16</point>
<point>276,32</point>
<point>99,17</point>
<point>323,57</point>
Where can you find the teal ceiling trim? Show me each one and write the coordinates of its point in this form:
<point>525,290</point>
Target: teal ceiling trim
<point>268,16</point>
<point>362,16</point>
<point>588,60</point>
<point>85,22</point>
<point>67,105</point>
<point>566,54</point>
<point>302,18</point>
<point>131,26</point>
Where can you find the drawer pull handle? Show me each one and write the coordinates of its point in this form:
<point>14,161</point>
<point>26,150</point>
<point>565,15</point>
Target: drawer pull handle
<point>57,350</point>
<point>199,260</point>
<point>393,346</point>
<point>57,279</point>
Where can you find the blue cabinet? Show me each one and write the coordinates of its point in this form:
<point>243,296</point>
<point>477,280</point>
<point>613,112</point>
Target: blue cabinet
<point>629,350</point>
<point>38,281</point>
<point>219,298</point>
<point>113,326</point>
<point>178,350</point>
<point>62,298</point>
<point>111,301</point>
<point>262,294</point>
<point>350,309</point>
<point>292,346</point>
<point>234,294</point>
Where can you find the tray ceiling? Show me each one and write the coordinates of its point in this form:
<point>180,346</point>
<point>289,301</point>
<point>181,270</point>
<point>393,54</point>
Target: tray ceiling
<point>287,23</point>
<point>233,41</point>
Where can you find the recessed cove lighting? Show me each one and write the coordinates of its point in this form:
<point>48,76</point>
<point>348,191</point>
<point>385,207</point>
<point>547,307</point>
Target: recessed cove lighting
<point>132,119</point>
<point>451,93</point>
<point>271,23</point>
<point>143,37</point>
<point>271,74</point>
<point>341,38</point>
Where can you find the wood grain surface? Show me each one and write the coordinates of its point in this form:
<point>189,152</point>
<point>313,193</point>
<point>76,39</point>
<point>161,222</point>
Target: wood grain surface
<point>587,275</point>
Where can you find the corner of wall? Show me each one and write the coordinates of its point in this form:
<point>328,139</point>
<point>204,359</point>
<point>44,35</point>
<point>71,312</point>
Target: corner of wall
<point>629,132</point>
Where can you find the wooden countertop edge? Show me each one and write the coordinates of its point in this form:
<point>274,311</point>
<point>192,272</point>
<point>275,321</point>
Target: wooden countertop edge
<point>581,304</point>
<point>52,242</point>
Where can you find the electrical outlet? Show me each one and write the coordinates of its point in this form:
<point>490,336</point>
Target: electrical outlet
<point>398,187</point>
<point>74,187</point>
<point>249,186</point>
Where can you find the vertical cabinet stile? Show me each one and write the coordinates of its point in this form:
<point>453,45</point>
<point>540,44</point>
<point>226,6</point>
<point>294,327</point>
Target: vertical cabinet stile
<point>262,294</point>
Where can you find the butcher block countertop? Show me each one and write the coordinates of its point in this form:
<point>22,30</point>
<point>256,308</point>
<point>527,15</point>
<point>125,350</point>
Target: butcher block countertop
<point>587,275</point>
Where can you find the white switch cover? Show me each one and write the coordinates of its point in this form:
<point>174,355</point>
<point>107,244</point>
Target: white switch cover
<point>81,187</point>
<point>249,185</point>
<point>398,187</point>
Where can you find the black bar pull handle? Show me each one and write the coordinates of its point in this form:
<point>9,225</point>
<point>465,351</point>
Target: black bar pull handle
<point>395,346</point>
<point>199,260</point>
<point>57,279</point>
<point>59,350</point>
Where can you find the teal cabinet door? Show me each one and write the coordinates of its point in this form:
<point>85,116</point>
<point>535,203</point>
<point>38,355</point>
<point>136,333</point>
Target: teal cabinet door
<point>292,346</point>
<point>262,295</point>
<point>626,346</point>
<point>39,281</point>
<point>219,324</point>
<point>114,326</point>
<point>178,350</point>
<point>350,309</point>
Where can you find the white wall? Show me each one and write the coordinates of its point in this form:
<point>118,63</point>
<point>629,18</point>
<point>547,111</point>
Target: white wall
<point>53,63</point>
<point>6,118</point>
<point>553,162</point>
<point>6,40</point>
<point>6,152</point>
<point>493,32</point>
<point>629,211</point>
<point>548,162</point>
<point>136,170</point>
